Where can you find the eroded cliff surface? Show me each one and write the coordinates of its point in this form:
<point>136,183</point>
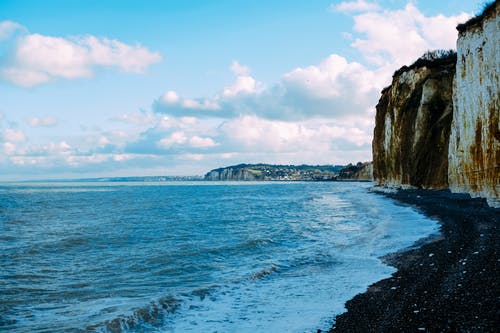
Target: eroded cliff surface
<point>413,119</point>
<point>474,151</point>
<point>234,174</point>
<point>360,171</point>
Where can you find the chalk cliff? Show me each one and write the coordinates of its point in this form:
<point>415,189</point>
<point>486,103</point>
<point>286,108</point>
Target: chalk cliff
<point>474,152</point>
<point>410,144</point>
<point>274,172</point>
<point>234,174</point>
<point>437,124</point>
<point>360,171</point>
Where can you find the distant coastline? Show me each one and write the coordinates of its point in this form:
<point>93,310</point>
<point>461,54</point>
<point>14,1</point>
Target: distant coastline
<point>272,172</point>
<point>113,179</point>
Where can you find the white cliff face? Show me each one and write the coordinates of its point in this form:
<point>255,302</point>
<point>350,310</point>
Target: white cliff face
<point>410,144</point>
<point>230,174</point>
<point>474,150</point>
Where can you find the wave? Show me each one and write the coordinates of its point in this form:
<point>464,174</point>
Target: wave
<point>264,272</point>
<point>157,313</point>
<point>242,247</point>
<point>153,315</point>
<point>150,316</point>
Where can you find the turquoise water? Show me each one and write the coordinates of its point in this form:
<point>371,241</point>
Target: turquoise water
<point>200,257</point>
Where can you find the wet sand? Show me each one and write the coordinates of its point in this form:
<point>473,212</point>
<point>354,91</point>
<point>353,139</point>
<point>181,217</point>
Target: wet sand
<point>448,284</point>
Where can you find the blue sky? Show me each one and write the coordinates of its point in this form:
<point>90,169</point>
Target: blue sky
<point>114,88</point>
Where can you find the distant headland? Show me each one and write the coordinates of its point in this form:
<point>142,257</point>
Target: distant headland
<point>271,172</point>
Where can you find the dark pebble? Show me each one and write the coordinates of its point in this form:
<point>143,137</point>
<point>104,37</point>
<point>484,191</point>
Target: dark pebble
<point>450,296</point>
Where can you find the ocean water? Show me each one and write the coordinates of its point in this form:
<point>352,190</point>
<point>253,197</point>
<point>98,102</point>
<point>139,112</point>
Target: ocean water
<point>192,257</point>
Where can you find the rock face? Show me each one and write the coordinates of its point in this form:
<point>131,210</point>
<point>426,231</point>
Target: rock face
<point>272,172</point>
<point>360,171</point>
<point>234,174</point>
<point>474,152</point>
<point>437,125</point>
<point>412,126</point>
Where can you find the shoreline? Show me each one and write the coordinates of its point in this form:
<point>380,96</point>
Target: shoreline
<point>448,283</point>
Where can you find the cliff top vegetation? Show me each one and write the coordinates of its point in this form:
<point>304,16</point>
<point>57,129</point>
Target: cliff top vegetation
<point>488,8</point>
<point>431,59</point>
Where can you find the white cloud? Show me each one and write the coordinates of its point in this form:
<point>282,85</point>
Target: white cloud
<point>13,135</point>
<point>38,59</point>
<point>138,118</point>
<point>333,77</point>
<point>8,28</point>
<point>9,148</point>
<point>103,140</point>
<point>77,160</point>
<point>64,146</point>
<point>170,97</point>
<point>200,142</point>
<point>176,138</point>
<point>122,157</point>
<point>50,149</point>
<point>205,104</point>
<point>333,88</point>
<point>47,121</point>
<point>398,37</point>
<point>355,6</point>
<point>239,69</point>
<point>188,121</point>
<point>192,157</point>
<point>220,105</point>
<point>180,138</point>
<point>242,85</point>
<point>23,77</point>
<point>110,52</point>
<point>22,160</point>
<point>251,133</point>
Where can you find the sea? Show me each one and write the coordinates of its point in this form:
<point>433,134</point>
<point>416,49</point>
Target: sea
<point>193,256</point>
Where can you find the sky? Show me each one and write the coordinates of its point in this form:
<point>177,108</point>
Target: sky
<point>92,88</point>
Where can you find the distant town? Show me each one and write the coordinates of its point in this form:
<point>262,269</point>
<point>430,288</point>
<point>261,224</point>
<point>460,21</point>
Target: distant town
<point>270,172</point>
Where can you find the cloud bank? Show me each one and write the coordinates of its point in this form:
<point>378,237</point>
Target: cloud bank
<point>35,59</point>
<point>333,88</point>
<point>321,113</point>
<point>398,37</point>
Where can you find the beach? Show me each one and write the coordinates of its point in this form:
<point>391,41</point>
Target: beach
<point>447,283</point>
